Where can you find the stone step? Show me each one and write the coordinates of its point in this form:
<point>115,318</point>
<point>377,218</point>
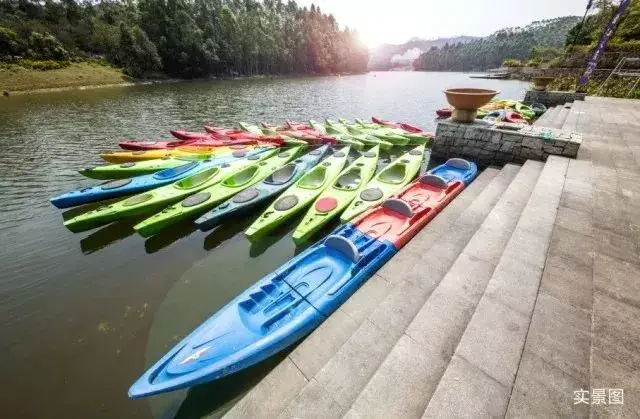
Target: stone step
<point>412,368</point>
<point>270,397</point>
<point>559,118</point>
<point>556,357</point>
<point>489,352</point>
<point>547,117</point>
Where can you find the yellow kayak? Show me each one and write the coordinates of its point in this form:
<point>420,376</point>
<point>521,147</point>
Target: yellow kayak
<point>186,151</point>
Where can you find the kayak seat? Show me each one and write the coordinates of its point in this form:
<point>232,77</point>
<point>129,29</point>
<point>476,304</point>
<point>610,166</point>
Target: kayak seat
<point>196,199</point>
<point>285,203</point>
<point>399,206</point>
<point>458,163</point>
<point>242,177</point>
<point>245,196</point>
<point>349,180</point>
<point>344,246</point>
<point>314,179</point>
<point>371,194</point>
<point>434,180</point>
<point>175,171</point>
<point>393,174</point>
<point>282,175</point>
<point>197,179</point>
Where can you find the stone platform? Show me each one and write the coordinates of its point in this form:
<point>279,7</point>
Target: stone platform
<point>502,143</point>
<point>552,98</point>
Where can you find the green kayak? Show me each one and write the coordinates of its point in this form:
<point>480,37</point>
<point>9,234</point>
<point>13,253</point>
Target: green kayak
<point>300,194</point>
<point>208,197</point>
<point>339,195</point>
<point>387,182</point>
<point>337,129</point>
<point>145,167</point>
<point>383,130</point>
<point>156,199</point>
<point>254,129</point>
<point>342,138</point>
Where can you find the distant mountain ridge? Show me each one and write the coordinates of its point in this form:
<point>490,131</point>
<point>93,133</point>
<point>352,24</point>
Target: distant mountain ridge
<point>381,56</point>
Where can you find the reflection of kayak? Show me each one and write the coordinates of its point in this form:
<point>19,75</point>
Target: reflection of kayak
<point>388,181</point>
<point>144,167</point>
<point>272,315</point>
<point>261,193</point>
<point>301,194</point>
<point>336,197</point>
<point>156,199</point>
<point>211,195</point>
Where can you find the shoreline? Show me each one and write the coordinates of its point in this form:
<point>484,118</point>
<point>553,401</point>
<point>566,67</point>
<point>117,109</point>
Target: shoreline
<point>158,81</point>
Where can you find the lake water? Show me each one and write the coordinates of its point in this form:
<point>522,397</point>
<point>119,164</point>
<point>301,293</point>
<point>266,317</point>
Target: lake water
<point>82,315</point>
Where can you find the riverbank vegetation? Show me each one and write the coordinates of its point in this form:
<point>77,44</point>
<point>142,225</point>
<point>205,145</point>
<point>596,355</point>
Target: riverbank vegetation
<point>178,38</point>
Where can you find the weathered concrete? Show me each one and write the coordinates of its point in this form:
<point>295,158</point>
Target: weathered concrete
<point>503,143</point>
<point>552,98</point>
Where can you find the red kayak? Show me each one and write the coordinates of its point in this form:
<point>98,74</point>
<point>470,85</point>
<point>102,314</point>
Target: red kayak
<point>393,124</point>
<point>208,142</point>
<point>399,218</point>
<point>444,112</point>
<point>188,135</point>
<point>226,132</point>
<point>515,118</point>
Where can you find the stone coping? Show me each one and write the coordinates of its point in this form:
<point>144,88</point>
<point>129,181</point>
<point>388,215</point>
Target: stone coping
<point>552,98</point>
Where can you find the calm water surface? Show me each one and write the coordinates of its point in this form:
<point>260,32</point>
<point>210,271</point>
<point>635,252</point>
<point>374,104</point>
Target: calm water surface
<point>82,315</point>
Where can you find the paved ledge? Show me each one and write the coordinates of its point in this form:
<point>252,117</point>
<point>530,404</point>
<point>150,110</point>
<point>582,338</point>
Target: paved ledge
<point>552,98</point>
<point>502,143</point>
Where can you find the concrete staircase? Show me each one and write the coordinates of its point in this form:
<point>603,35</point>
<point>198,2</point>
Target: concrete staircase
<point>456,301</point>
<point>555,117</point>
<point>503,306</point>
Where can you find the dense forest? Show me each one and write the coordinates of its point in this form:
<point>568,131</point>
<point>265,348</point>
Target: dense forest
<point>491,51</point>
<point>181,38</point>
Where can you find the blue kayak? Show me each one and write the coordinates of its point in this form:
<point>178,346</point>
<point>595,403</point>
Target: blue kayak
<point>137,184</point>
<point>456,169</point>
<point>273,314</point>
<point>277,182</point>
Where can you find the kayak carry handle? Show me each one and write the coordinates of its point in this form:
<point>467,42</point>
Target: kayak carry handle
<point>344,246</point>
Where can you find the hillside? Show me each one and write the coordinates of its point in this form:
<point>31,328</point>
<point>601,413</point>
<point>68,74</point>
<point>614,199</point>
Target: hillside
<point>491,51</point>
<point>380,58</point>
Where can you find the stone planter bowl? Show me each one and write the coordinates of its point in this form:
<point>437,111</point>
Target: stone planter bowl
<point>540,83</point>
<point>466,102</point>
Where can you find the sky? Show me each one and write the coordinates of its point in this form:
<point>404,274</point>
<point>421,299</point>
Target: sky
<point>397,21</point>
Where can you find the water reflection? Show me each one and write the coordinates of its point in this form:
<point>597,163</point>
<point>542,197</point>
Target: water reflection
<point>108,235</point>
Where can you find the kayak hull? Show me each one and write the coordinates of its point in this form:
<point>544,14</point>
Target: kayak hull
<point>272,315</point>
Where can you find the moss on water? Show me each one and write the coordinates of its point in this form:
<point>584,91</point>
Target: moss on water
<point>15,78</point>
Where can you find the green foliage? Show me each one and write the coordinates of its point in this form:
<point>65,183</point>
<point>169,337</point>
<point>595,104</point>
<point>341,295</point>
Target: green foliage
<point>10,44</point>
<point>185,38</point>
<point>491,51</point>
<point>43,65</point>
<point>511,62</point>
<point>44,47</point>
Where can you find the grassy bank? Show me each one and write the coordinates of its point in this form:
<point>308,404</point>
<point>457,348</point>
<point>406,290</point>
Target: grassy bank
<point>15,78</point>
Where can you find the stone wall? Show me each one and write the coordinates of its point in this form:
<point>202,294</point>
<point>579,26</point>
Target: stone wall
<point>502,143</point>
<point>552,98</point>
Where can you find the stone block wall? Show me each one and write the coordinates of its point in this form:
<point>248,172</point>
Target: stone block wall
<point>552,98</point>
<point>502,143</point>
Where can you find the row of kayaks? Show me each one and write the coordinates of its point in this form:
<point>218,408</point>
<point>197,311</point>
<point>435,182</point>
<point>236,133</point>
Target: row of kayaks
<point>289,303</point>
<point>233,179</point>
<point>503,110</point>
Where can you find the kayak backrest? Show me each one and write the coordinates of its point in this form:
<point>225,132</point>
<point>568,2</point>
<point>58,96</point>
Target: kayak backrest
<point>282,175</point>
<point>344,246</point>
<point>399,206</point>
<point>175,171</point>
<point>458,163</point>
<point>433,180</point>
